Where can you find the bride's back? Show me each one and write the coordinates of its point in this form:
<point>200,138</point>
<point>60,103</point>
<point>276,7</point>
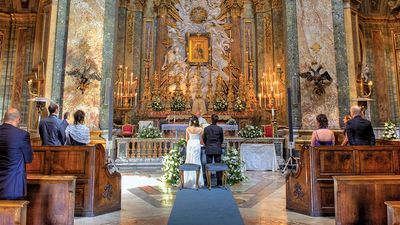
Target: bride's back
<point>194,132</point>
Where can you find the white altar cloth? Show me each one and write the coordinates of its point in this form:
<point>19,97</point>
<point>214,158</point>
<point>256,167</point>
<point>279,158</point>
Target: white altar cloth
<point>258,156</point>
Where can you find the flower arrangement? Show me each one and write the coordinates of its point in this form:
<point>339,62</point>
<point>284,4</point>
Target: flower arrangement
<point>232,160</point>
<point>220,105</point>
<point>239,105</point>
<point>231,121</point>
<point>149,132</point>
<point>178,105</point>
<point>171,164</point>
<point>251,131</point>
<point>389,131</point>
<point>157,105</point>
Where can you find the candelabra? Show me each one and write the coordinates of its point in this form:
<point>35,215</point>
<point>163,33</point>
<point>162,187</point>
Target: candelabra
<point>126,93</point>
<point>271,98</point>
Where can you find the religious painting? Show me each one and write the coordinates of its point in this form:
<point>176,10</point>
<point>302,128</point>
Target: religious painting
<point>198,49</point>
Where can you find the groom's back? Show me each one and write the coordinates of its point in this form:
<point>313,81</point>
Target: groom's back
<point>213,138</point>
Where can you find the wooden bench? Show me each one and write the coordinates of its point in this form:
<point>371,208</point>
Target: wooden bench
<point>97,190</point>
<point>52,199</point>
<point>309,189</point>
<point>13,212</point>
<point>393,212</point>
<point>361,199</point>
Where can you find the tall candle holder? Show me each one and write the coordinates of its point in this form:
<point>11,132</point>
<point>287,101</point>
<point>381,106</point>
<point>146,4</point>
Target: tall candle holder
<point>271,96</point>
<point>126,92</point>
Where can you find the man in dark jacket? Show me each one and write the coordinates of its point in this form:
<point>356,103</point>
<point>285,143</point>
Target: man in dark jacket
<point>64,124</point>
<point>213,136</point>
<point>50,128</point>
<point>359,130</point>
<point>15,152</point>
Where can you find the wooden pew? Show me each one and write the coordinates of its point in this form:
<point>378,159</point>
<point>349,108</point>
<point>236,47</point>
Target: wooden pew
<point>393,212</point>
<point>52,199</point>
<point>361,199</point>
<point>97,190</point>
<point>309,189</point>
<point>13,212</point>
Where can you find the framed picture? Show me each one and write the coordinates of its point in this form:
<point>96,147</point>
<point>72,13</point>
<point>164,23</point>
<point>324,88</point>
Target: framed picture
<point>198,49</point>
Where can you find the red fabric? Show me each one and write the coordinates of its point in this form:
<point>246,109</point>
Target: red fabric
<point>127,130</point>
<point>268,131</point>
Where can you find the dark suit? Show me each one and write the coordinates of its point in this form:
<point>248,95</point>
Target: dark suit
<point>50,131</point>
<point>64,124</point>
<point>359,131</point>
<point>213,136</point>
<point>15,152</point>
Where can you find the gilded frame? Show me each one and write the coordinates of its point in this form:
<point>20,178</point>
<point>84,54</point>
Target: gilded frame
<point>198,48</point>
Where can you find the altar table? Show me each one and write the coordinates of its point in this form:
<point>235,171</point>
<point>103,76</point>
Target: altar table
<point>182,127</point>
<point>258,156</point>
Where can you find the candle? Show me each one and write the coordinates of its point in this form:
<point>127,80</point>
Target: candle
<point>249,43</point>
<point>273,113</point>
<point>148,44</point>
<point>135,99</point>
<point>259,99</point>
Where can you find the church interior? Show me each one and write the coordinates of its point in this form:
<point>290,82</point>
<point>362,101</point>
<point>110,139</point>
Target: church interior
<point>140,69</point>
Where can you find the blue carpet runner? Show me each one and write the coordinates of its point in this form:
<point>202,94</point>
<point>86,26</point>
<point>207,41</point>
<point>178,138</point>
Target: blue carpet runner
<point>204,207</point>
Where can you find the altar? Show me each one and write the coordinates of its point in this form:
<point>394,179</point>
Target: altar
<point>259,157</point>
<point>181,128</point>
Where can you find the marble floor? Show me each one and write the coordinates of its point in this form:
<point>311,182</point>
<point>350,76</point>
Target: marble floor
<point>147,201</point>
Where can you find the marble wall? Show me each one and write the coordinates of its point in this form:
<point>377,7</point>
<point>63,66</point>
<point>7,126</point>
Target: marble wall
<point>315,27</point>
<point>85,42</point>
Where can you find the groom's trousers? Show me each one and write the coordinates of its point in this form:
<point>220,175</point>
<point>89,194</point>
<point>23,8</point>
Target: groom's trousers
<point>217,159</point>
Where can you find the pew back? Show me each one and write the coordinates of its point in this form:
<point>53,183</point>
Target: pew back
<point>13,212</point>
<point>310,189</point>
<point>97,190</point>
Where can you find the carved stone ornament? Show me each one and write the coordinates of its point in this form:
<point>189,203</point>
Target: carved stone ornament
<point>394,6</point>
<point>320,80</point>
<point>198,15</point>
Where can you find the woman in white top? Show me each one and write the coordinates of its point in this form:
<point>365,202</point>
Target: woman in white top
<point>193,152</point>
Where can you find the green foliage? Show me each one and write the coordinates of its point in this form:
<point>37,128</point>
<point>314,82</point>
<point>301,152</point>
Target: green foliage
<point>149,132</point>
<point>157,105</point>
<point>220,105</point>
<point>239,105</point>
<point>232,159</point>
<point>172,161</point>
<point>231,121</point>
<point>389,132</point>
<point>251,131</point>
<point>178,104</point>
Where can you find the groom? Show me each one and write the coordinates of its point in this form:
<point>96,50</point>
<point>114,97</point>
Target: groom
<point>213,136</point>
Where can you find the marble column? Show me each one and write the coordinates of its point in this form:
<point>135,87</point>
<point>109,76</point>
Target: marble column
<point>162,34</point>
<point>317,44</point>
<point>292,59</point>
<point>137,40</point>
<point>60,52</point>
<point>108,66</point>
<point>236,48</point>
<point>342,71</point>
<point>260,38</point>
<point>121,32</point>
<point>353,54</point>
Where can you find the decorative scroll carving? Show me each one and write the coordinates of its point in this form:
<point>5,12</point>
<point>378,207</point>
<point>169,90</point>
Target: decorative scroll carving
<point>198,15</point>
<point>108,191</point>
<point>298,192</point>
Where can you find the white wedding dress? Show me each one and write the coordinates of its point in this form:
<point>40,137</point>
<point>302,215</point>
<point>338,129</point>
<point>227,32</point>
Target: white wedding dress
<point>193,155</point>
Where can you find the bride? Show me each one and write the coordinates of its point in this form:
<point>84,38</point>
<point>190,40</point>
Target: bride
<point>193,152</point>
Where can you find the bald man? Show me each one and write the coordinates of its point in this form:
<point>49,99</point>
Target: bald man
<point>15,152</point>
<point>359,130</point>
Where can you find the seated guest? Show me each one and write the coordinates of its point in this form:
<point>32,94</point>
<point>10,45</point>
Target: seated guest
<point>50,128</point>
<point>64,124</point>
<point>359,130</point>
<point>15,152</point>
<point>77,133</point>
<point>323,136</point>
<point>345,141</point>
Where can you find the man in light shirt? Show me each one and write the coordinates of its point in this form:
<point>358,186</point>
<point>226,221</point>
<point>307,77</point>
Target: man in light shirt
<point>203,122</point>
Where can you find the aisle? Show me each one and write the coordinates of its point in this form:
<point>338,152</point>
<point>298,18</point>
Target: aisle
<point>205,207</point>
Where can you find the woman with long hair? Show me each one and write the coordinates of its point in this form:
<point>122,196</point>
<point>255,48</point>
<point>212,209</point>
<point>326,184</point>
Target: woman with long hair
<point>322,136</point>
